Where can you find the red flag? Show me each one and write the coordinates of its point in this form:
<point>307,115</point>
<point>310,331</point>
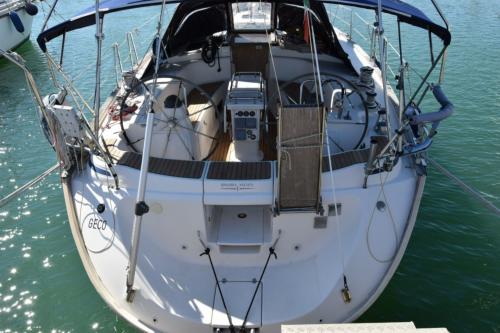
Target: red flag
<point>307,29</point>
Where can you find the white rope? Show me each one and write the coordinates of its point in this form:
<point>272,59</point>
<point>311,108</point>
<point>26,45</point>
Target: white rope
<point>393,222</point>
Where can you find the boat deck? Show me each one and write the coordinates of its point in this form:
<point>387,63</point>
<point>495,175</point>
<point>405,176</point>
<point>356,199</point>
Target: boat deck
<point>194,169</point>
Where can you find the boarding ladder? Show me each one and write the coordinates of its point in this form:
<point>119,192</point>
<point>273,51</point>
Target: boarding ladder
<point>300,147</point>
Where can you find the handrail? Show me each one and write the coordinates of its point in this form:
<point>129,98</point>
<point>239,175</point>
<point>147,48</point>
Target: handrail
<point>371,36</point>
<point>117,63</point>
<point>391,49</point>
<point>10,6</point>
<point>69,85</point>
<point>301,89</point>
<point>19,61</point>
<point>132,49</point>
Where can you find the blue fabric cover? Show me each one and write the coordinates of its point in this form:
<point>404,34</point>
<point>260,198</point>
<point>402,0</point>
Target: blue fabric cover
<point>16,21</point>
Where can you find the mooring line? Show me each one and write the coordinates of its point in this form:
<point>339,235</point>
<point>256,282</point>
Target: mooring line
<point>488,204</point>
<point>5,200</point>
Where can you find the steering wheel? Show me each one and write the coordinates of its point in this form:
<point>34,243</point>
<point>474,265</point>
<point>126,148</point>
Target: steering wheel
<point>327,78</point>
<point>141,88</point>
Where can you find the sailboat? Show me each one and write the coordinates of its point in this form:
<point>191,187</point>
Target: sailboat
<point>16,18</point>
<point>255,168</point>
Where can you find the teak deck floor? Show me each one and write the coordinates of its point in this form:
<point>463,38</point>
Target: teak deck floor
<point>267,145</point>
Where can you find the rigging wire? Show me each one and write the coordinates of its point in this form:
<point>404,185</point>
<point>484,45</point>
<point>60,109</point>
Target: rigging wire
<point>207,253</point>
<point>272,253</point>
<point>5,200</point>
<point>472,191</point>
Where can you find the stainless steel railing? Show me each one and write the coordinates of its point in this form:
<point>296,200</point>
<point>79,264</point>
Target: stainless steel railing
<point>355,24</point>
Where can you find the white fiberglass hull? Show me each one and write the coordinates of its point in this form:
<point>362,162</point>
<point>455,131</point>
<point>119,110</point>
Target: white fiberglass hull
<point>175,287</point>
<point>176,290</point>
<point>10,38</point>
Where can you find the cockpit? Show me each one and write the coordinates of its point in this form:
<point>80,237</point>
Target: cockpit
<point>245,61</point>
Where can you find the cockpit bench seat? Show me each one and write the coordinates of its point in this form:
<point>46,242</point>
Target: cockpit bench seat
<point>197,102</point>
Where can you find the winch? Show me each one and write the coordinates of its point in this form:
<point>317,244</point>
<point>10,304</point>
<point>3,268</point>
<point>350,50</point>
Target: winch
<point>245,103</point>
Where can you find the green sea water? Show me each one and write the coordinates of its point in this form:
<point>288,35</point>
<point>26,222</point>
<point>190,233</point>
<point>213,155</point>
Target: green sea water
<point>449,276</point>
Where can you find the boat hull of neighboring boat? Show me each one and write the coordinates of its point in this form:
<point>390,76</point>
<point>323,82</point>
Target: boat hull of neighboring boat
<point>10,37</point>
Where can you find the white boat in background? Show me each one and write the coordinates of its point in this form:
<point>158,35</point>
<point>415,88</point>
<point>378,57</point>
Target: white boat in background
<point>255,168</point>
<point>16,18</point>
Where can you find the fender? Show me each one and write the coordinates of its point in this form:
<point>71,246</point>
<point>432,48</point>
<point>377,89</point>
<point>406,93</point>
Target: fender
<point>16,21</point>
